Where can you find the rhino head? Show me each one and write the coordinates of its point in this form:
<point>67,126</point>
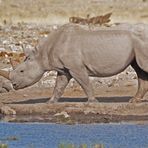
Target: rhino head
<point>26,73</point>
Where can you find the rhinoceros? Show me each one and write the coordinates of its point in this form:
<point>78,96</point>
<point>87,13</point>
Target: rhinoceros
<point>78,53</point>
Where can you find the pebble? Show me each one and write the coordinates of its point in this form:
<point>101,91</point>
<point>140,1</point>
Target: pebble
<point>63,113</point>
<point>6,110</point>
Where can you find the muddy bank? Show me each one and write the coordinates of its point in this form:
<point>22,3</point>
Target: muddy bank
<point>74,113</point>
<point>30,105</point>
<point>77,119</point>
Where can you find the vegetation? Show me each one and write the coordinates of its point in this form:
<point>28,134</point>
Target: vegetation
<point>3,146</point>
<point>10,138</point>
<point>81,146</point>
<point>58,11</point>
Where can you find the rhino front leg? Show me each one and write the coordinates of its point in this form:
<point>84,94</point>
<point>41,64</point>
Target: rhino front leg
<point>142,89</point>
<point>61,83</point>
<point>82,78</point>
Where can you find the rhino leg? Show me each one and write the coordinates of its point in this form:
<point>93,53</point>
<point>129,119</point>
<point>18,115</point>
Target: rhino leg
<point>82,78</point>
<point>61,83</point>
<point>142,84</point>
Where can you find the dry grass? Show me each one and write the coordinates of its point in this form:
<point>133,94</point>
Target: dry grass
<point>58,11</point>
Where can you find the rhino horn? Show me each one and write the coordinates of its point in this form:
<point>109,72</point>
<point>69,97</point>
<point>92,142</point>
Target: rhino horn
<point>5,74</point>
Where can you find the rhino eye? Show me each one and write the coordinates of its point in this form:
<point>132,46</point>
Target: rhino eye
<point>27,58</point>
<point>21,71</point>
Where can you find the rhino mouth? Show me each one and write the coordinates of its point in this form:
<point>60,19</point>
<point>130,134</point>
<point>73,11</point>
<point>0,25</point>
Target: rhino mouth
<point>20,85</point>
<point>17,86</point>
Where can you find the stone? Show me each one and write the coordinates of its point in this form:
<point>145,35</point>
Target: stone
<point>6,110</point>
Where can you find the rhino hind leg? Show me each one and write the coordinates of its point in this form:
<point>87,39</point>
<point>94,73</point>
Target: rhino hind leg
<point>82,78</point>
<point>61,83</point>
<point>142,83</point>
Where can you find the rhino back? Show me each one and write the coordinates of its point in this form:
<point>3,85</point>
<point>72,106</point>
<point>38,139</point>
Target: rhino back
<point>103,53</point>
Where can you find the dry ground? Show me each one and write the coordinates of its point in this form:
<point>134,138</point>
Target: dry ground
<point>30,105</point>
<point>58,11</point>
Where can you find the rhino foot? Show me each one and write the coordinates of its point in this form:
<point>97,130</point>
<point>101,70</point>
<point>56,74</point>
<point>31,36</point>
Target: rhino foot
<point>51,101</point>
<point>92,100</point>
<point>135,100</point>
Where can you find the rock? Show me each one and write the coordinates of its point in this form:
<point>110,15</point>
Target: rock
<point>89,111</point>
<point>55,27</point>
<point>63,113</point>
<point>5,85</point>
<point>25,95</point>
<point>13,48</point>
<point>6,110</point>
<point>2,49</point>
<point>6,42</point>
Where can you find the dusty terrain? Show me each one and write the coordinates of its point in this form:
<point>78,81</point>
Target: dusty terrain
<point>30,105</point>
<point>58,11</point>
<point>25,22</point>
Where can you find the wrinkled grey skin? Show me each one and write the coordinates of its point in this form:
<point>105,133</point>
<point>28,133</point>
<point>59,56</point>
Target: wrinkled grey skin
<point>77,53</point>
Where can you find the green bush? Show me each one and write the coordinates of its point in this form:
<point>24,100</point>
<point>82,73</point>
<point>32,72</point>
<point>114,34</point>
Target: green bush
<point>81,146</point>
<point>3,146</point>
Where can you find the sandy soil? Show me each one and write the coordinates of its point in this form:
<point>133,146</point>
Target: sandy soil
<point>58,11</point>
<point>30,105</point>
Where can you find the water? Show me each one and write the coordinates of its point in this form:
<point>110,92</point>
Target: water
<point>36,135</point>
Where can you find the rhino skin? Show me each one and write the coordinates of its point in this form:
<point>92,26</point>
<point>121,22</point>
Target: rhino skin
<point>78,53</point>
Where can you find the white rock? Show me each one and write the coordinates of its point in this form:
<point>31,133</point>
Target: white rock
<point>6,110</point>
<point>2,49</point>
<point>63,113</point>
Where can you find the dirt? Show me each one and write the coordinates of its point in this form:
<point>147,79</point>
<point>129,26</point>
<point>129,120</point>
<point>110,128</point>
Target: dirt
<point>58,11</point>
<point>31,105</point>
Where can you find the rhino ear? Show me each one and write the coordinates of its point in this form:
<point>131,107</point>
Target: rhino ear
<point>36,49</point>
<point>29,50</point>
